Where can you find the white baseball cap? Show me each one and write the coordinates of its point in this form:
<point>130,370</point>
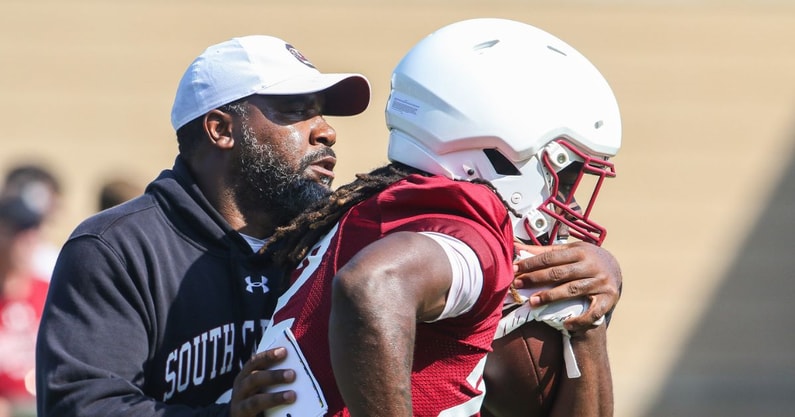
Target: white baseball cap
<point>259,64</point>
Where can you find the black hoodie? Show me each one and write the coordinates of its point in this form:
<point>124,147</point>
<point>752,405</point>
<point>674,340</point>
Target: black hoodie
<point>153,307</point>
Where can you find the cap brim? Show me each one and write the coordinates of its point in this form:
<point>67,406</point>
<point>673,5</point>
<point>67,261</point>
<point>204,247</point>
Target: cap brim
<point>346,94</point>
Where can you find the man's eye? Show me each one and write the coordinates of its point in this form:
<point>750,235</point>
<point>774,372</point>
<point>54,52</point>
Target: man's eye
<point>301,110</point>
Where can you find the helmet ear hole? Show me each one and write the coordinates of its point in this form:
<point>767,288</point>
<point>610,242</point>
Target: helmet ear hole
<point>500,163</point>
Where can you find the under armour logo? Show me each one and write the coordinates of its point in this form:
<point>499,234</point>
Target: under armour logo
<point>261,284</point>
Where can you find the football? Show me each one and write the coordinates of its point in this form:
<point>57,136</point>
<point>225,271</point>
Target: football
<point>523,371</point>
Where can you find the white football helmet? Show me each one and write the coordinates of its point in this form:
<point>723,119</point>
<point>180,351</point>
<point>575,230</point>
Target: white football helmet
<point>506,102</point>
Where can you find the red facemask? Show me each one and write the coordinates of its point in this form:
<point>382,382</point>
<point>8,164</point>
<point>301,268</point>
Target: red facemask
<point>562,206</point>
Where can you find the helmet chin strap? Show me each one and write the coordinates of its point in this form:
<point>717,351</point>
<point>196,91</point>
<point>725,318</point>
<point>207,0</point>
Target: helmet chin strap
<point>533,236</point>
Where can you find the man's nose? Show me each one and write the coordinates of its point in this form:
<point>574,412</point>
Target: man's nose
<point>322,133</point>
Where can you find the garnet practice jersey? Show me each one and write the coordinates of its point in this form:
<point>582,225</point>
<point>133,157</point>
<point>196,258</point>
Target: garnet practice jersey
<point>449,353</point>
<point>19,323</point>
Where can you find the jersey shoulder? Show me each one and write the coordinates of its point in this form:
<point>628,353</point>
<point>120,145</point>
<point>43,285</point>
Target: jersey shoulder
<point>429,194</point>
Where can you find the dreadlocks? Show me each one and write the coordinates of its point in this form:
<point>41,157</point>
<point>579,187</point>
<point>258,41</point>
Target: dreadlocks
<point>296,238</point>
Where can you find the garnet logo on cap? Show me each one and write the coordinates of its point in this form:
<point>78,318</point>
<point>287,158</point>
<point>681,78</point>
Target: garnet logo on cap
<point>299,56</point>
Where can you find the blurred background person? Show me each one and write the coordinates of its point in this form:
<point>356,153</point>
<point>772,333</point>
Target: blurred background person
<point>40,189</point>
<point>22,295</point>
<point>117,191</point>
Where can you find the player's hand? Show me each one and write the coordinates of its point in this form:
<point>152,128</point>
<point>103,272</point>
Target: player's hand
<point>248,395</point>
<point>576,269</point>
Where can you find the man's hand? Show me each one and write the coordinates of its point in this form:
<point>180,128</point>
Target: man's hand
<point>576,269</point>
<point>248,393</point>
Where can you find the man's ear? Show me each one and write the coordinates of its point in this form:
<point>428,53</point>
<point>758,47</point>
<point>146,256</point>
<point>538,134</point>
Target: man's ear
<point>219,126</point>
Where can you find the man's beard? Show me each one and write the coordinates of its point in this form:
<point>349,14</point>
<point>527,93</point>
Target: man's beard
<point>267,183</point>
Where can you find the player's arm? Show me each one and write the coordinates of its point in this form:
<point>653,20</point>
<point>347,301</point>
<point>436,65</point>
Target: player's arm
<point>378,297</point>
<point>590,395</point>
<point>576,269</point>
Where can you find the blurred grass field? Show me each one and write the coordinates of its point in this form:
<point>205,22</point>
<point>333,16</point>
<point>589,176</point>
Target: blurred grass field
<point>706,88</point>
